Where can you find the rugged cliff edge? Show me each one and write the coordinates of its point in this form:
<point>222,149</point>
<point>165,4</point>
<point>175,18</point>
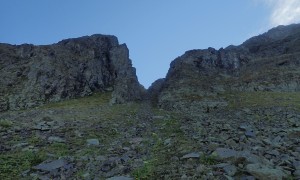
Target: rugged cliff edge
<point>34,75</point>
<point>201,80</point>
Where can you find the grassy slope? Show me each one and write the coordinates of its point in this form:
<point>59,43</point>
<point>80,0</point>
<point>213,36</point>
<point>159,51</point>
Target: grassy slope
<point>263,99</point>
<point>93,117</point>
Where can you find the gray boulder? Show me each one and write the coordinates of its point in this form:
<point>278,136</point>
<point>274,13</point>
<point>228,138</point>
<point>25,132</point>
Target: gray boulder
<point>50,166</point>
<point>264,172</point>
<point>120,178</point>
<point>225,153</point>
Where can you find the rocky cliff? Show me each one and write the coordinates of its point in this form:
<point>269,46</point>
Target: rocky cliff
<point>34,75</point>
<point>201,80</point>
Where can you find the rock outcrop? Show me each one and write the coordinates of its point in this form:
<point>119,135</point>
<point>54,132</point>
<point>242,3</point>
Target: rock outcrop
<point>126,86</point>
<point>34,75</point>
<point>268,62</point>
<point>154,90</point>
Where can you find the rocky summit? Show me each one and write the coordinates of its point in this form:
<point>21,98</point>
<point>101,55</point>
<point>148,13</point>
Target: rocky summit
<point>75,110</point>
<point>35,75</point>
<point>266,63</point>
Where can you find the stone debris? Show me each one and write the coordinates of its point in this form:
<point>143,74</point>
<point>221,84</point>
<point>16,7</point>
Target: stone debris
<point>50,166</point>
<point>265,173</point>
<point>191,155</point>
<point>93,142</point>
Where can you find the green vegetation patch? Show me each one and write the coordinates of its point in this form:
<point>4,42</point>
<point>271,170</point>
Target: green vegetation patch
<point>146,171</point>
<point>13,164</point>
<point>5,123</point>
<point>263,99</point>
<point>166,142</point>
<point>208,159</point>
<point>85,102</point>
<point>59,149</point>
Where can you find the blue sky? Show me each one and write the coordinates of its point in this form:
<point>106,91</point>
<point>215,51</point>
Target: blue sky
<point>155,31</point>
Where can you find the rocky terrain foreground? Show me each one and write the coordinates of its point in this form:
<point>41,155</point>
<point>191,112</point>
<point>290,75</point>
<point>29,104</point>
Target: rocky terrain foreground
<point>75,110</point>
<point>87,138</point>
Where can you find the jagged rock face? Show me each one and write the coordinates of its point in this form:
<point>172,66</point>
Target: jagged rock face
<point>33,75</point>
<point>269,62</point>
<point>127,87</point>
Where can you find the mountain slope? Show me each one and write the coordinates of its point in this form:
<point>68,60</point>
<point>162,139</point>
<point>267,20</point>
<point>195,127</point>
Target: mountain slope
<point>232,113</point>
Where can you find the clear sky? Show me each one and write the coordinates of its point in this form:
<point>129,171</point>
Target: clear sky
<point>155,31</point>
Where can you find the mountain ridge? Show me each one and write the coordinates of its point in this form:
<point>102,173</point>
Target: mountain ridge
<point>232,113</point>
<point>209,62</point>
